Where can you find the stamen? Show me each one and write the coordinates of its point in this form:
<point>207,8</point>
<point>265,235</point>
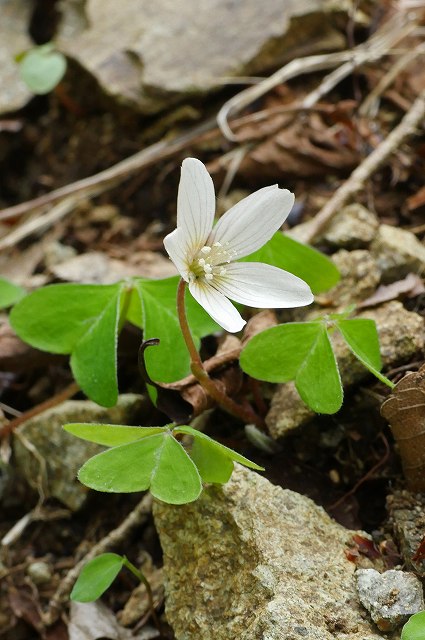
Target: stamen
<point>216,244</point>
<point>223,271</point>
<point>208,268</point>
<point>201,262</point>
<point>209,276</point>
<point>206,250</point>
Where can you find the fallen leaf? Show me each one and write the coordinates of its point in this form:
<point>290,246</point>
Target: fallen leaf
<point>94,621</point>
<point>412,285</point>
<point>405,411</point>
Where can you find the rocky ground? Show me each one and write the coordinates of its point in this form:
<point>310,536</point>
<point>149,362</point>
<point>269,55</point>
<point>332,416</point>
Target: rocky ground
<point>88,186</point>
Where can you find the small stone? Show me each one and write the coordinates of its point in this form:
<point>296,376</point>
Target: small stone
<point>397,252</point>
<point>251,560</point>
<point>390,597</point>
<point>54,456</point>
<point>360,275</point>
<point>39,572</point>
<point>353,228</point>
<point>288,411</point>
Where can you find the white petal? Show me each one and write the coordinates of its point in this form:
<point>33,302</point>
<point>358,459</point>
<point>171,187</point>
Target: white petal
<point>252,221</point>
<point>195,202</point>
<point>176,246</point>
<point>217,306</point>
<point>261,285</point>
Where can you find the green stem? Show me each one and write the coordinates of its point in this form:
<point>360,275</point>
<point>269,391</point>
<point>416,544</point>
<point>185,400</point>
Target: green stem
<point>245,414</point>
<point>140,576</point>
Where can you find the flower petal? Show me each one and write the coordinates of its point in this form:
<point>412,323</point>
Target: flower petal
<point>261,285</point>
<point>252,221</point>
<point>217,306</point>
<point>176,246</point>
<point>195,202</point>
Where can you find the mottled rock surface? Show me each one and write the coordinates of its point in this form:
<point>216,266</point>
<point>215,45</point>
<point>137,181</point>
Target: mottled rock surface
<point>401,335</point>
<point>407,517</point>
<point>148,55</point>
<point>14,39</point>
<point>390,597</point>
<point>398,252</point>
<point>47,455</point>
<point>353,228</point>
<point>250,561</point>
<point>360,275</point>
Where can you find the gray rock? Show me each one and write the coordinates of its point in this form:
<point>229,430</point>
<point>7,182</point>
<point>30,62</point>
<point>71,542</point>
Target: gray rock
<point>250,560</point>
<point>288,411</point>
<point>353,228</point>
<point>397,252</point>
<point>148,55</point>
<point>390,597</point>
<point>360,275</point>
<point>14,39</point>
<point>49,457</point>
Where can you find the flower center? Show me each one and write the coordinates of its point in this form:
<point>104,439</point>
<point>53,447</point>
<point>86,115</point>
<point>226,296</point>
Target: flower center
<point>208,262</point>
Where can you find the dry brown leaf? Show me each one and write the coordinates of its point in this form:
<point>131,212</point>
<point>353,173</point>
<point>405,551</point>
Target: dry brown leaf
<point>405,411</point>
<point>412,285</point>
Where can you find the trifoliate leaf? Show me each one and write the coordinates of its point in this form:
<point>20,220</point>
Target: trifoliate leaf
<point>97,576</point>
<point>300,352</point>
<point>158,463</point>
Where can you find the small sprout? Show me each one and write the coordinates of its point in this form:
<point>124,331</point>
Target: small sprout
<point>42,68</point>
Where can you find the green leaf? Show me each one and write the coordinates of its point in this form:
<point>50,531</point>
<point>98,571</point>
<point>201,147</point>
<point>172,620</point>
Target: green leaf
<point>318,381</point>
<point>10,293</point>
<point>78,319</point>
<point>414,629</point>
<point>55,317</point>
<point>158,463</point>
<point>94,357</point>
<point>212,464</point>
<point>276,354</point>
<point>42,68</point>
<point>110,435</point>
<point>212,458</point>
<point>361,336</point>
<point>97,576</point>
<point>170,360</point>
<point>307,263</point>
<point>300,352</point>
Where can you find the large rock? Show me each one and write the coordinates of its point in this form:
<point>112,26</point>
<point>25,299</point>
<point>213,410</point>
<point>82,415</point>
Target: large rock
<point>47,455</point>
<point>397,252</point>
<point>251,561</point>
<point>14,39</point>
<point>150,54</point>
<point>401,335</point>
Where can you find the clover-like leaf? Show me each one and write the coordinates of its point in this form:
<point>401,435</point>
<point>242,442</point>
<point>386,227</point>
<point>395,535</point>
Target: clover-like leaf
<point>301,352</point>
<point>10,293</point>
<point>361,336</point>
<point>97,576</point>
<point>414,629</point>
<point>42,68</point>
<point>110,435</point>
<point>157,462</point>
<point>307,263</point>
<point>158,317</point>
<point>213,460</point>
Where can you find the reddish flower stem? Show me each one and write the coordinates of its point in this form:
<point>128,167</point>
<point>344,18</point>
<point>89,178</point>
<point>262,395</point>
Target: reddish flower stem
<point>245,414</point>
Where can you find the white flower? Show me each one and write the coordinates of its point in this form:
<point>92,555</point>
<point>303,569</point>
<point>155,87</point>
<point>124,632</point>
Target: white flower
<point>205,256</point>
